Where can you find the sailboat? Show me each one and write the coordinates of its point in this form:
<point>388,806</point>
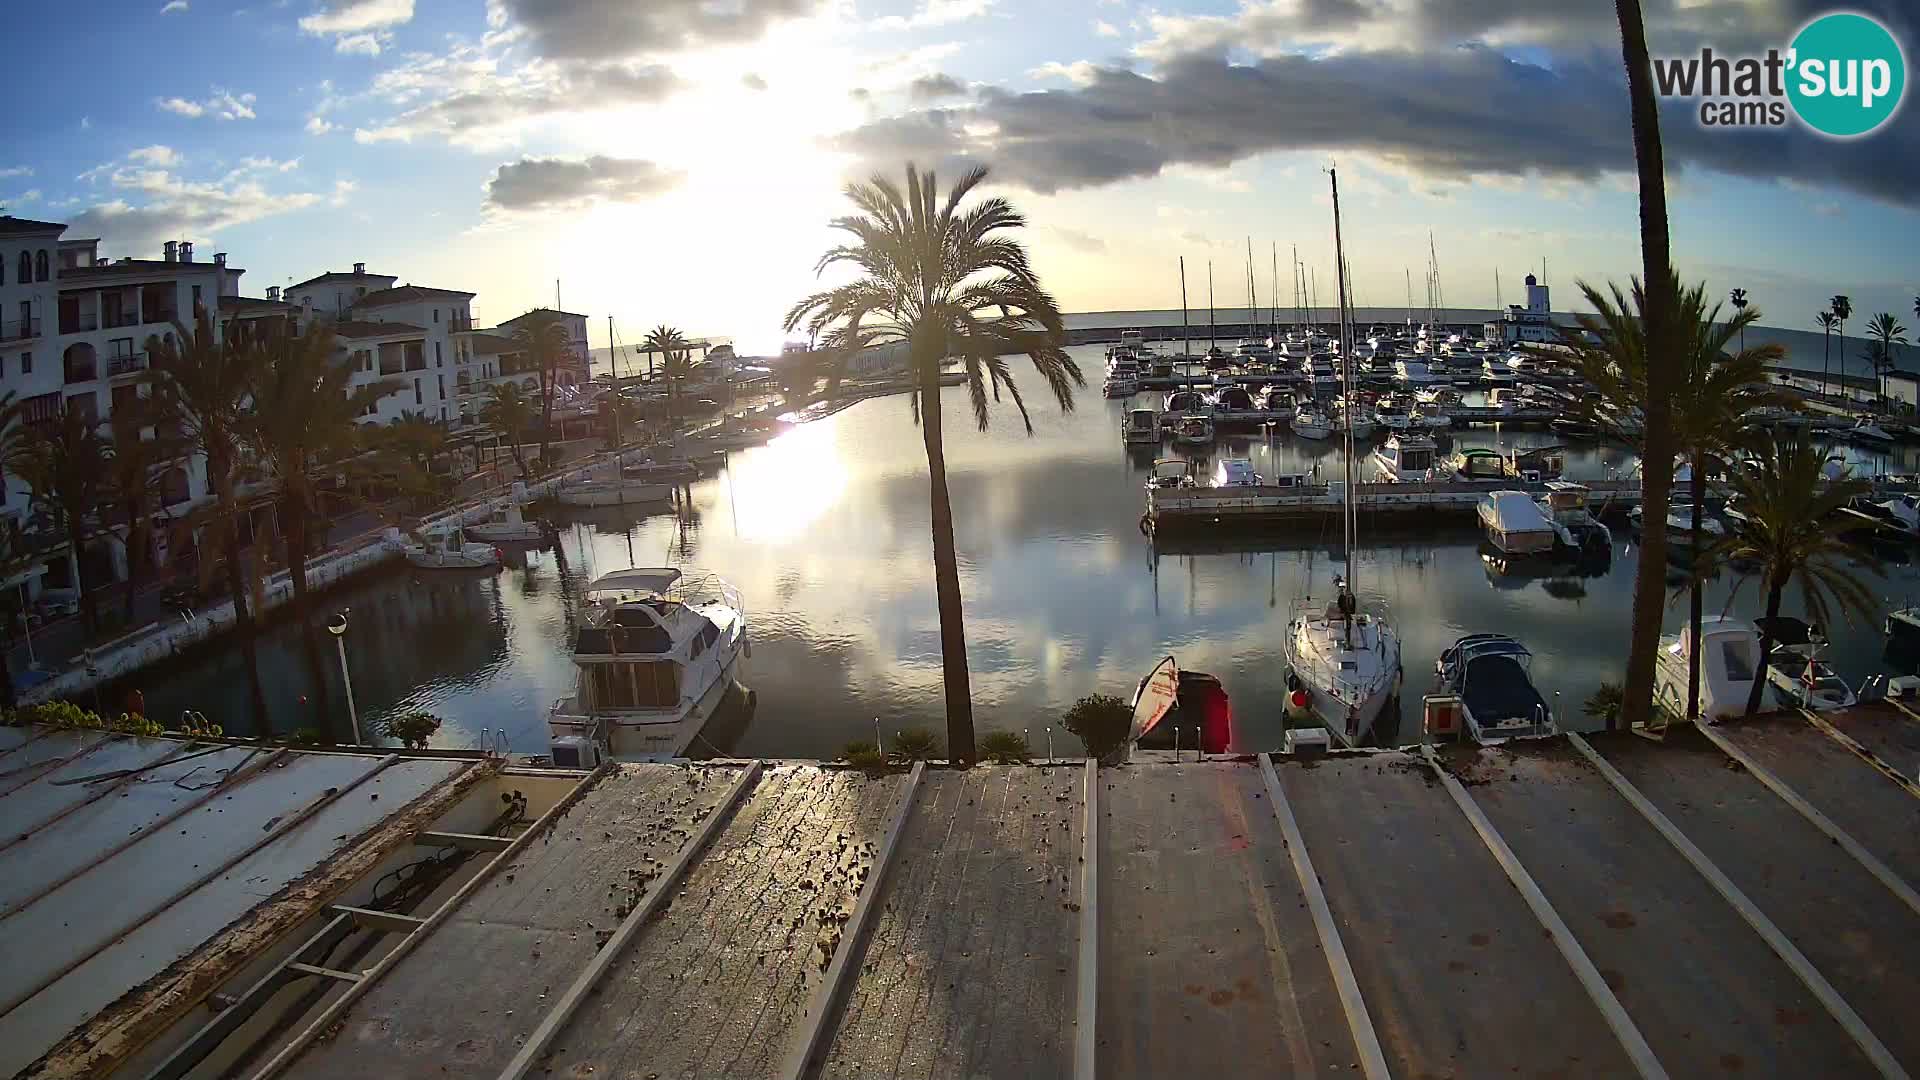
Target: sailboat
<point>1343,663</point>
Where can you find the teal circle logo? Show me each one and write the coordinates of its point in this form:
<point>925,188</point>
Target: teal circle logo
<point>1846,74</point>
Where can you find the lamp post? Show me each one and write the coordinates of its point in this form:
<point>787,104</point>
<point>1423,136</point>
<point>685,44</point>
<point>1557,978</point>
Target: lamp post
<point>337,626</point>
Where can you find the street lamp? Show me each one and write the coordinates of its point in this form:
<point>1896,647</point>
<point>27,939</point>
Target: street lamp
<point>337,626</point>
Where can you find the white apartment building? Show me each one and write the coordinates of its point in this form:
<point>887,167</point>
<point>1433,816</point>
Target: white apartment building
<point>495,356</point>
<point>411,335</point>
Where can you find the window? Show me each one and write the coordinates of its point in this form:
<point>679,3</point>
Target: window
<point>443,414</point>
<point>417,400</point>
<point>86,406</point>
<point>436,354</point>
<point>441,380</point>
<point>306,301</point>
<point>24,271</point>
<point>26,363</point>
<point>120,346</point>
<point>436,317</point>
<point>40,265</point>
<point>196,299</point>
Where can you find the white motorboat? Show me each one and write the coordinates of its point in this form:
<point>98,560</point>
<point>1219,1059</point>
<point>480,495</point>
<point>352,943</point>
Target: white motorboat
<point>1310,423</point>
<point>1235,472</point>
<point>1170,473</point>
<point>1729,663</point>
<point>1415,371</point>
<point>1487,674</point>
<point>438,551</point>
<point>1181,403</point>
<point>1515,524</point>
<point>620,492</point>
<point>1807,683</point>
<point>1140,426</point>
<point>1574,525</point>
<point>1680,521</point>
<point>1903,512</point>
<point>1121,384</point>
<point>1867,433</point>
<point>1429,418</point>
<point>1194,429</point>
<point>656,654</point>
<point>1392,413</point>
<point>669,471</point>
<point>1405,458</point>
<point>506,525</point>
<point>1359,420</point>
<point>1477,465</point>
<point>1343,663</point>
<point>1436,395</point>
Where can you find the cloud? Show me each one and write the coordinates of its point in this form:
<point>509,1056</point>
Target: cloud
<point>1427,114</point>
<point>367,44</point>
<point>934,13</point>
<point>16,170</point>
<point>157,205</point>
<point>1079,241</point>
<point>753,82</point>
<point>471,96</point>
<point>1105,29</point>
<point>357,16</point>
<point>622,29</point>
<point>935,87</point>
<point>172,6</point>
<point>1079,73</point>
<point>553,183</point>
<point>156,155</point>
<point>223,104</point>
<point>318,125</point>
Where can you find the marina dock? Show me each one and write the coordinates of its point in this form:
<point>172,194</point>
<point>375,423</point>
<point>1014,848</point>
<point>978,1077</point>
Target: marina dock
<point>1728,900</point>
<point>1173,509</point>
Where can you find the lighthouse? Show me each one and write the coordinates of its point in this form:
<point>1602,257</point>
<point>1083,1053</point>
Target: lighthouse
<point>1537,297</point>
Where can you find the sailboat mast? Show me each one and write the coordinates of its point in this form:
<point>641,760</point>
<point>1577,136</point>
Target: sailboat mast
<point>1253,300</point>
<point>1349,522</point>
<point>1210,308</point>
<point>1273,292</point>
<point>613,358</point>
<point>1186,337</point>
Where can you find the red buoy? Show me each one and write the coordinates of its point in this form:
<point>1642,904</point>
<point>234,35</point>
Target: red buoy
<point>1299,699</point>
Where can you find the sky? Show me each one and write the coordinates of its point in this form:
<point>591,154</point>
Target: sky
<point>679,161</point>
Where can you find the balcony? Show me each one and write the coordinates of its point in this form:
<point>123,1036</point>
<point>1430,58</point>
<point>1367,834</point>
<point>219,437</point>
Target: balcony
<point>78,322</point>
<point>131,364</point>
<point>459,322</point>
<point>117,319</point>
<point>19,329</point>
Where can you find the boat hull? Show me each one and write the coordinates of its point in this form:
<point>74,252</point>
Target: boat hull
<point>623,494</point>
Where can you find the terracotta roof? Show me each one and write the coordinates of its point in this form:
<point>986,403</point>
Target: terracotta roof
<point>488,344</point>
<point>406,294</point>
<point>354,328</point>
<point>10,225</point>
<point>337,275</point>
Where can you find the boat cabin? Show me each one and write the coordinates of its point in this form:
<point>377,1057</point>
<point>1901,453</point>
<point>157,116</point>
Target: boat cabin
<point>1233,398</point>
<point>1478,465</point>
<point>1143,423</point>
<point>1537,464</point>
<point>1183,401</point>
<point>636,639</point>
<point>1490,675</point>
<point>1170,473</point>
<point>1235,472</point>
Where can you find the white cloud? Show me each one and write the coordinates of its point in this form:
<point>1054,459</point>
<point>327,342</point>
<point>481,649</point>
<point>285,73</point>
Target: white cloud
<point>86,122</point>
<point>1105,28</point>
<point>357,16</point>
<point>935,13</point>
<point>367,44</point>
<point>156,155</point>
<point>1079,73</point>
<point>172,6</point>
<point>318,125</point>
<point>16,170</point>
<point>159,205</point>
<point>342,190</point>
<point>222,103</point>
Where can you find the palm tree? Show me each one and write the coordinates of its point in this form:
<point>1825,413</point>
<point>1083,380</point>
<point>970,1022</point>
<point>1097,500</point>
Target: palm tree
<point>304,413</point>
<point>1649,586</point>
<point>419,440</point>
<point>134,456</point>
<point>1827,320</point>
<point>947,282</point>
<point>1793,529</point>
<point>542,343</point>
<point>1738,298</point>
<point>65,464</point>
<point>508,412</point>
<point>205,383</point>
<point>1842,308</point>
<point>676,361</point>
<point>1884,332</point>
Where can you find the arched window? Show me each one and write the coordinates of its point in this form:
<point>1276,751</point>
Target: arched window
<point>40,265</point>
<point>25,272</point>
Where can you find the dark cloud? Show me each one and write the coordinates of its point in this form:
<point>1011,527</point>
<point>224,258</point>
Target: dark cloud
<point>1452,113</point>
<point>549,183</point>
<point>606,29</point>
<point>929,88</point>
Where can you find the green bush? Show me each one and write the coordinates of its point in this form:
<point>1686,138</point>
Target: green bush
<point>1605,703</point>
<point>413,729</point>
<point>67,715</point>
<point>1005,748</point>
<point>870,759</point>
<point>915,744</point>
<point>856,748</point>
<point>1102,722</point>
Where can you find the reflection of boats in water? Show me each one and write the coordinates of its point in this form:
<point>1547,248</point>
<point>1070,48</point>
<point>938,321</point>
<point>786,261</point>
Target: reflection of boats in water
<point>657,653</point>
<point>614,493</point>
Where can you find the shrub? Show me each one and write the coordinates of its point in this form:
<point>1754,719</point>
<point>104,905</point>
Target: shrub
<point>1005,748</point>
<point>1604,704</point>
<point>915,744</point>
<point>870,760</point>
<point>413,729</point>
<point>1102,722</point>
<point>67,715</point>
<point>856,748</point>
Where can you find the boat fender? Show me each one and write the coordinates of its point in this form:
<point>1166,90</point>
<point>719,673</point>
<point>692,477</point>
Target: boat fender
<point>498,555</point>
<point>1146,525</point>
<point>1293,684</point>
<point>1348,604</point>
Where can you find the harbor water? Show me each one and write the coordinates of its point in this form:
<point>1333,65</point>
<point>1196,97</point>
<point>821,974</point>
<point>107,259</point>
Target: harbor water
<point>825,533</point>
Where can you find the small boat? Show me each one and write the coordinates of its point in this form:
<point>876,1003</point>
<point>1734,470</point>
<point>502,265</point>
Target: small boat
<point>1194,429</point>
<point>1406,458</point>
<point>1279,404</point>
<point>1807,683</point>
<point>1902,513</point>
<point>1574,525</point>
<point>1360,420</point>
<point>1176,710</point>
<point>506,525</point>
<point>1170,473</point>
<point>1537,464</point>
<point>656,655</point>
<point>1903,625</point>
<point>1343,666</point>
<point>1680,521</point>
<point>1232,399</point>
<point>1436,395</point>
<point>1488,674</point>
<point>1393,414</point>
<point>1515,524</point>
<point>1235,472</point>
<point>1121,384</point>
<point>437,551</point>
<point>1573,429</point>
<point>1310,423</point>
<point>1180,403</point>
<point>1429,418</point>
<point>1478,466</point>
<point>1867,433</point>
<point>678,469</point>
<point>1729,662</point>
<point>620,492</point>
<point>1140,426</point>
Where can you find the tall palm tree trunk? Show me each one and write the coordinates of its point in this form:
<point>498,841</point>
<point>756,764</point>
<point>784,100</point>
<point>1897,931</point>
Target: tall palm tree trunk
<point>237,586</point>
<point>1826,356</point>
<point>1649,587</point>
<point>1695,602</point>
<point>1775,587</point>
<point>946,569</point>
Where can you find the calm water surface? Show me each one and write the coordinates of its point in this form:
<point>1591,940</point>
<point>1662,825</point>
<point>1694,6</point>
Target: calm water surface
<point>825,532</point>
